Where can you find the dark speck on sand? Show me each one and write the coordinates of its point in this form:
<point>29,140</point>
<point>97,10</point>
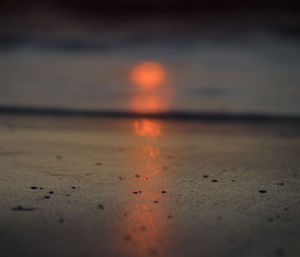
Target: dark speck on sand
<point>135,193</point>
<point>153,251</point>
<point>279,252</point>
<point>163,192</point>
<point>205,176</point>
<point>262,191</point>
<point>143,228</point>
<point>58,157</point>
<point>100,206</point>
<point>280,184</point>
<point>214,180</point>
<point>98,163</point>
<point>51,192</point>
<point>34,187</point>
<point>47,197</point>
<point>61,220</point>
<point>73,187</point>
<point>137,175</point>
<point>20,208</point>
<point>127,237</point>
<point>156,201</point>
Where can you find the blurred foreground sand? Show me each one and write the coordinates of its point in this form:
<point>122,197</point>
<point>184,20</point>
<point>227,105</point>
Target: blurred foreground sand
<point>113,187</point>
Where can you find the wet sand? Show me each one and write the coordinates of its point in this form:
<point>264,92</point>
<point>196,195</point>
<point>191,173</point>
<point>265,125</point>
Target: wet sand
<point>75,186</point>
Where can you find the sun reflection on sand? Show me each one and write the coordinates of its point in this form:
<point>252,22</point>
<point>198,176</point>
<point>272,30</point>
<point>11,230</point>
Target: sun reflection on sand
<point>145,127</point>
<point>147,227</point>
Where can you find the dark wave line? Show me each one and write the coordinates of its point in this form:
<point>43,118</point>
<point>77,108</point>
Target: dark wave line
<point>176,115</point>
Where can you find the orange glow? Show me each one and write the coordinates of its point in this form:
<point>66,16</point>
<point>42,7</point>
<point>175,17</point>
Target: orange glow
<point>149,103</point>
<point>147,128</point>
<point>148,75</point>
<point>146,230</point>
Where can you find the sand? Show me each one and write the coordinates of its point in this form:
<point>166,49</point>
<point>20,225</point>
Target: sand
<point>75,186</point>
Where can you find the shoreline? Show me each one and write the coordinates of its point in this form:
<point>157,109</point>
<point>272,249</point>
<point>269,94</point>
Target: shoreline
<point>174,115</point>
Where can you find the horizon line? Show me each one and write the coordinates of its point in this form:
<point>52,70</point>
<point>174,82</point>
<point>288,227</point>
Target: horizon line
<point>176,115</point>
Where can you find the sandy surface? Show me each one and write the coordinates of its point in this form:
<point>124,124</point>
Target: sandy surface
<point>113,188</point>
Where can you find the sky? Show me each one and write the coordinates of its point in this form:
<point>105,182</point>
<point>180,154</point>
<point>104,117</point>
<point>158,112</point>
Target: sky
<point>217,56</point>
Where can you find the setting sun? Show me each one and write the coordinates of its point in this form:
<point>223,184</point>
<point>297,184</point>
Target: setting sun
<point>148,75</point>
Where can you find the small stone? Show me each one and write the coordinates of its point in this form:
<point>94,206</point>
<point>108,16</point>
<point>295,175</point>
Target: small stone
<point>100,206</point>
<point>33,187</point>
<point>262,191</point>
<point>20,208</point>
<point>127,237</point>
<point>214,180</point>
<point>143,228</point>
<point>163,192</point>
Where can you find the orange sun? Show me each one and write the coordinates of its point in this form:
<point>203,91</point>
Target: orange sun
<point>148,75</point>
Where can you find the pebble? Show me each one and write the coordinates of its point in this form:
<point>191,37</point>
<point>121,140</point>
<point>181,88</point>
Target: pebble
<point>262,191</point>
<point>20,208</point>
<point>127,237</point>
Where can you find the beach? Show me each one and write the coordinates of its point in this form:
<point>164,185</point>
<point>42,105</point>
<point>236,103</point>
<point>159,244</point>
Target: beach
<point>100,186</point>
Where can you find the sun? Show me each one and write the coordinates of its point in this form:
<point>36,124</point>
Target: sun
<point>148,75</point>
